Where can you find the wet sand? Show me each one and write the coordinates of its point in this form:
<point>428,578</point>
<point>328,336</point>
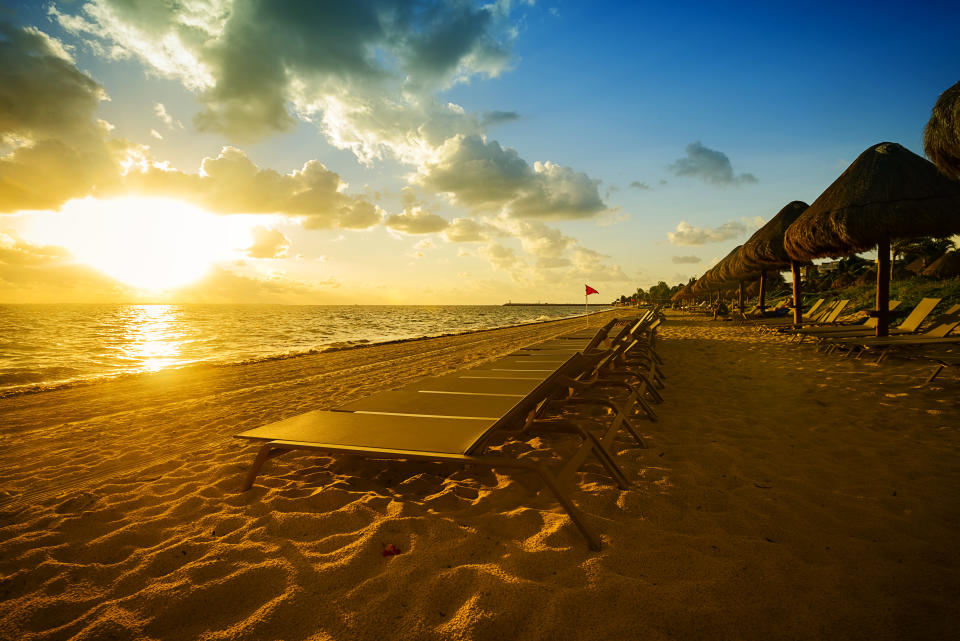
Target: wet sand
<point>784,495</point>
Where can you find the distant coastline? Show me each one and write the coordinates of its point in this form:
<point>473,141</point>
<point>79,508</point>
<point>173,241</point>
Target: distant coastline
<point>551,305</point>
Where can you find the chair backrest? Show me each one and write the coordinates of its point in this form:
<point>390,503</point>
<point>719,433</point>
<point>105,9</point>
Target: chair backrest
<point>947,324</point>
<point>819,315</point>
<point>835,312</point>
<point>918,315</point>
<point>529,403</point>
<point>813,308</point>
<point>871,322</point>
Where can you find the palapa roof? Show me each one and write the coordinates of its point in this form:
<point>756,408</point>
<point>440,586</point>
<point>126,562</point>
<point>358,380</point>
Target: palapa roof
<point>725,272</point>
<point>733,269</point>
<point>947,266</point>
<point>764,250</point>
<point>941,138</point>
<point>888,191</point>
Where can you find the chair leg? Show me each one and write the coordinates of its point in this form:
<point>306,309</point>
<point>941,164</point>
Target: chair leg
<point>266,452</point>
<point>932,376</point>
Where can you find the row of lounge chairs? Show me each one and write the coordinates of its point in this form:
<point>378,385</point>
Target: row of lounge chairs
<point>455,418</point>
<point>905,338</point>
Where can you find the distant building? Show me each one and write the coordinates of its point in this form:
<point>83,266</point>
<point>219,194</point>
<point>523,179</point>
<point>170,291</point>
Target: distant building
<point>829,266</point>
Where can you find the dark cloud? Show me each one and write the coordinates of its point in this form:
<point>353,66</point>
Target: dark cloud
<point>685,260</point>
<point>251,62</point>
<point>46,115</point>
<point>709,165</point>
<point>495,117</point>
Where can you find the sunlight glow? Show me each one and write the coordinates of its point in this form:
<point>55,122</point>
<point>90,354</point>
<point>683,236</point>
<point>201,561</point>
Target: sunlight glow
<point>151,336</point>
<point>153,244</point>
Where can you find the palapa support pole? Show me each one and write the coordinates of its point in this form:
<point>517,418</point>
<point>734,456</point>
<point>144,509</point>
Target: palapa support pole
<point>741,298</point>
<point>763,291</point>
<point>883,286</point>
<point>797,300</point>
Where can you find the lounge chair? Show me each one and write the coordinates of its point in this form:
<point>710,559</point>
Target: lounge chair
<point>829,317</point>
<point>909,325</point>
<point>430,437</point>
<point>813,313</point>
<point>857,329</point>
<point>938,335</point>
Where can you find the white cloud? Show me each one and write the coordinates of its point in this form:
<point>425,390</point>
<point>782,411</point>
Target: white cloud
<point>687,234</point>
<point>416,220</point>
<point>268,243</point>
<point>484,176</point>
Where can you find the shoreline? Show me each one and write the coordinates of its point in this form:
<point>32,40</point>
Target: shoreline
<point>37,388</point>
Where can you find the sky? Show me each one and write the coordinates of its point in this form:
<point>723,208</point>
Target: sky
<point>398,152</point>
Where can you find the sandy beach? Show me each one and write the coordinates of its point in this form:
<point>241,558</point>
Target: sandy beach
<point>784,494</point>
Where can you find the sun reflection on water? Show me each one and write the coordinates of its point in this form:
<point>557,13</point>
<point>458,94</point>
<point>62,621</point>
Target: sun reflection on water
<point>153,336</point>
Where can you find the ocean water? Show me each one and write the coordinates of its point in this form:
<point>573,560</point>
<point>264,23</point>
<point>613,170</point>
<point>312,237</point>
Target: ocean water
<point>49,345</point>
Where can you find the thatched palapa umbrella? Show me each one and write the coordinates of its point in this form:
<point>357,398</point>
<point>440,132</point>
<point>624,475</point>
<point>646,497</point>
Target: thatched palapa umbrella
<point>941,138</point>
<point>888,192</point>
<point>947,266</point>
<point>732,270</point>
<point>764,250</point>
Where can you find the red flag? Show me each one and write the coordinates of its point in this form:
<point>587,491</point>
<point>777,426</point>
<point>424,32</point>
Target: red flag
<point>590,290</point>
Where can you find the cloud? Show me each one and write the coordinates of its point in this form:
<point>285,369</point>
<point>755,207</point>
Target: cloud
<point>687,234</point>
<point>352,66</point>
<point>538,239</point>
<point>47,117</point>
<point>468,230</point>
<point>685,260</point>
<point>231,183</point>
<point>416,220</point>
<point>496,117</point>
<point>502,257</point>
<point>367,74</point>
<point>484,176</point>
<point>268,243</point>
<point>555,256</point>
<point>709,165</point>
<point>42,273</point>
<point>156,134</point>
<point>60,152</point>
<point>636,184</point>
<point>167,119</point>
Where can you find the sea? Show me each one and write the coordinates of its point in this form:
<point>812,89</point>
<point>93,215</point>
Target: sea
<point>44,346</point>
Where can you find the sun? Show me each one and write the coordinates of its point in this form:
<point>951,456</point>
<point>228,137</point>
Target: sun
<point>152,244</point>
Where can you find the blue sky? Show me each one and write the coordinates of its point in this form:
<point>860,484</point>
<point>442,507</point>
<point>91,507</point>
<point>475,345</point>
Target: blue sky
<point>600,129</point>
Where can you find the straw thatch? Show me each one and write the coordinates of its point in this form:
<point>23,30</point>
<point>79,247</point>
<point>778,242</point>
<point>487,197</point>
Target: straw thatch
<point>917,266</point>
<point>728,270</point>
<point>888,192</point>
<point>680,294</point>
<point>941,138</point>
<point>764,250</point>
<point>947,266</point>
